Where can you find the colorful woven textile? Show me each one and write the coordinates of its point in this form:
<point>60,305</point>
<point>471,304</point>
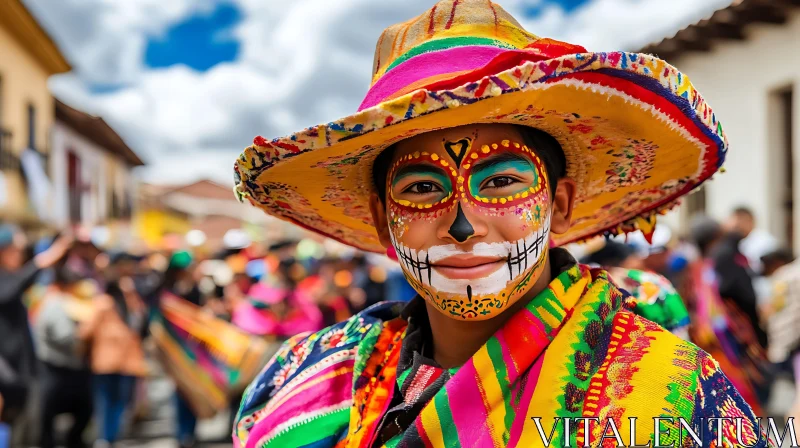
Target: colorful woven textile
<point>656,299</point>
<point>635,132</point>
<point>209,359</point>
<point>574,351</point>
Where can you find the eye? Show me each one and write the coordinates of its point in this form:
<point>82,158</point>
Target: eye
<point>423,188</point>
<point>499,182</point>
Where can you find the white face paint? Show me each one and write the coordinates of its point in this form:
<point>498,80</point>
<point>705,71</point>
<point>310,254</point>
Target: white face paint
<point>521,256</point>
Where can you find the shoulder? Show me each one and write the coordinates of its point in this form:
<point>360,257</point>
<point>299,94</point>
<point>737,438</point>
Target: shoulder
<point>320,363</point>
<point>674,376</point>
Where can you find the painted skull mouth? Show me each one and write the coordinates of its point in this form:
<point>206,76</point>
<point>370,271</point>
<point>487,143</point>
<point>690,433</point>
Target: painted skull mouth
<point>519,256</point>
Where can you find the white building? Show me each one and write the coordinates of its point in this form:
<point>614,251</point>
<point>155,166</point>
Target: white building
<point>745,60</point>
<point>91,170</point>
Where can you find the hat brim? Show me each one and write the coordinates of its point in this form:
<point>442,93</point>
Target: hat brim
<point>635,133</point>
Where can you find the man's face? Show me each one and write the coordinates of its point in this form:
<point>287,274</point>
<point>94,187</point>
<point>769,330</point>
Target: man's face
<point>12,257</point>
<point>743,224</point>
<point>469,211</point>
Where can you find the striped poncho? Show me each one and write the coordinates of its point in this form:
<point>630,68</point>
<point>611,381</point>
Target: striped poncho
<point>575,351</point>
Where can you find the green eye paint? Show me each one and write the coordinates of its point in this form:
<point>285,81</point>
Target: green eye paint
<point>521,167</point>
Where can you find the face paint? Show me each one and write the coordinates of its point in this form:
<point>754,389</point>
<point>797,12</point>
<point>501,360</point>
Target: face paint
<point>507,184</point>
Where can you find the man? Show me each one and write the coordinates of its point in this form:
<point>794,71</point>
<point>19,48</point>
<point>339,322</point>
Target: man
<point>783,321</point>
<point>16,350</point>
<point>734,273</point>
<point>477,146</point>
<point>65,376</point>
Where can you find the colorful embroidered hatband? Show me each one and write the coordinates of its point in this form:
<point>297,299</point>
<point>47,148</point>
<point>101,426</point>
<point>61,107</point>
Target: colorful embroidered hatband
<point>575,351</point>
<point>635,132</point>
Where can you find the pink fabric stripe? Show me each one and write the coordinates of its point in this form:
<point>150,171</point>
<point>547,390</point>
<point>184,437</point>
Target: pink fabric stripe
<point>468,408</point>
<point>525,401</point>
<point>426,65</point>
<point>324,394</point>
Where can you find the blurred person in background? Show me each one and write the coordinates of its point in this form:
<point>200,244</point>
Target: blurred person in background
<point>180,280</point>
<point>734,272</point>
<point>281,307</point>
<point>65,376</point>
<point>783,322</point>
<point>16,351</point>
<point>770,263</point>
<point>718,325</point>
<point>329,287</point>
<point>114,335</point>
<point>655,297</point>
<point>757,242</point>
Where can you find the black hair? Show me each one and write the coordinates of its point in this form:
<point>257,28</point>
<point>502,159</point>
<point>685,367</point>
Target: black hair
<point>704,231</point>
<point>66,275</point>
<point>544,145</point>
<point>784,255</point>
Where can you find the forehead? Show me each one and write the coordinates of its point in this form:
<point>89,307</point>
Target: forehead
<point>479,134</point>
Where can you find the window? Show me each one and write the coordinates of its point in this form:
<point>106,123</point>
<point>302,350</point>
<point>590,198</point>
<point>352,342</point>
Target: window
<point>780,162</point>
<point>31,126</point>
<point>696,202</point>
<point>75,187</point>
<point>787,102</point>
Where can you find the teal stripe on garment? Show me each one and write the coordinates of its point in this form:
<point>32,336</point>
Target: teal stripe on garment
<point>449,431</point>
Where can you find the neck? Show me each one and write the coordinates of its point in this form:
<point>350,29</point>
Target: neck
<point>455,341</point>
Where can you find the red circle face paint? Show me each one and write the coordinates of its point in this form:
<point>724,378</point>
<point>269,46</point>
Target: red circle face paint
<point>459,190</point>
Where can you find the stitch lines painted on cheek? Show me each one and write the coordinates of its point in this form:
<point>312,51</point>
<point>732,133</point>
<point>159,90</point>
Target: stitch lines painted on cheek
<point>501,183</point>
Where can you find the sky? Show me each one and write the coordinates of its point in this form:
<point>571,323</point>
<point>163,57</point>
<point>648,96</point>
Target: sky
<point>189,83</point>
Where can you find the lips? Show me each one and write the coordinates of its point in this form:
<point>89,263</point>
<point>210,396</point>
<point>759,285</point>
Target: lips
<point>468,266</point>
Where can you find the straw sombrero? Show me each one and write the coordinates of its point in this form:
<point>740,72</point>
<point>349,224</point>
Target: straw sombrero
<point>635,132</point>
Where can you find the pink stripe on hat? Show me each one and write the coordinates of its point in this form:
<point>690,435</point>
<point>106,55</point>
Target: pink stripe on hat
<point>452,60</point>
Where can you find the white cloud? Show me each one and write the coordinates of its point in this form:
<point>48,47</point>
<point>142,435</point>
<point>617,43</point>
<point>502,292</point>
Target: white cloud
<point>105,39</point>
<point>607,25</point>
<point>302,62</point>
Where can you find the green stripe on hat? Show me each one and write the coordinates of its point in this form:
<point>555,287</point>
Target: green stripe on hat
<point>444,44</point>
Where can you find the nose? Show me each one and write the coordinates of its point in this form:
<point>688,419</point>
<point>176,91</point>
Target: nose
<point>461,228</point>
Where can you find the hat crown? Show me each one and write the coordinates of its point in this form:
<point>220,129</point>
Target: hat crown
<point>449,23</point>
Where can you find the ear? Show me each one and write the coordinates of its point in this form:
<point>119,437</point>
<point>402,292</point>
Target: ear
<point>378,211</point>
<point>563,203</point>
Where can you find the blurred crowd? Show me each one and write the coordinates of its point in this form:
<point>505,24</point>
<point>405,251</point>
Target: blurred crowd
<point>83,326</point>
<point>728,287</point>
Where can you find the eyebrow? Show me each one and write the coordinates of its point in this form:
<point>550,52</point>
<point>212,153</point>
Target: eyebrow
<point>417,169</point>
<point>498,160</point>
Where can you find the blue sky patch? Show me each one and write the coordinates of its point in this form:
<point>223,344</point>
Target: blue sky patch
<point>567,5</point>
<point>200,41</point>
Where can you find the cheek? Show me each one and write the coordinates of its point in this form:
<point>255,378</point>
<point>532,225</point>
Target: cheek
<point>519,220</point>
<point>413,229</point>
